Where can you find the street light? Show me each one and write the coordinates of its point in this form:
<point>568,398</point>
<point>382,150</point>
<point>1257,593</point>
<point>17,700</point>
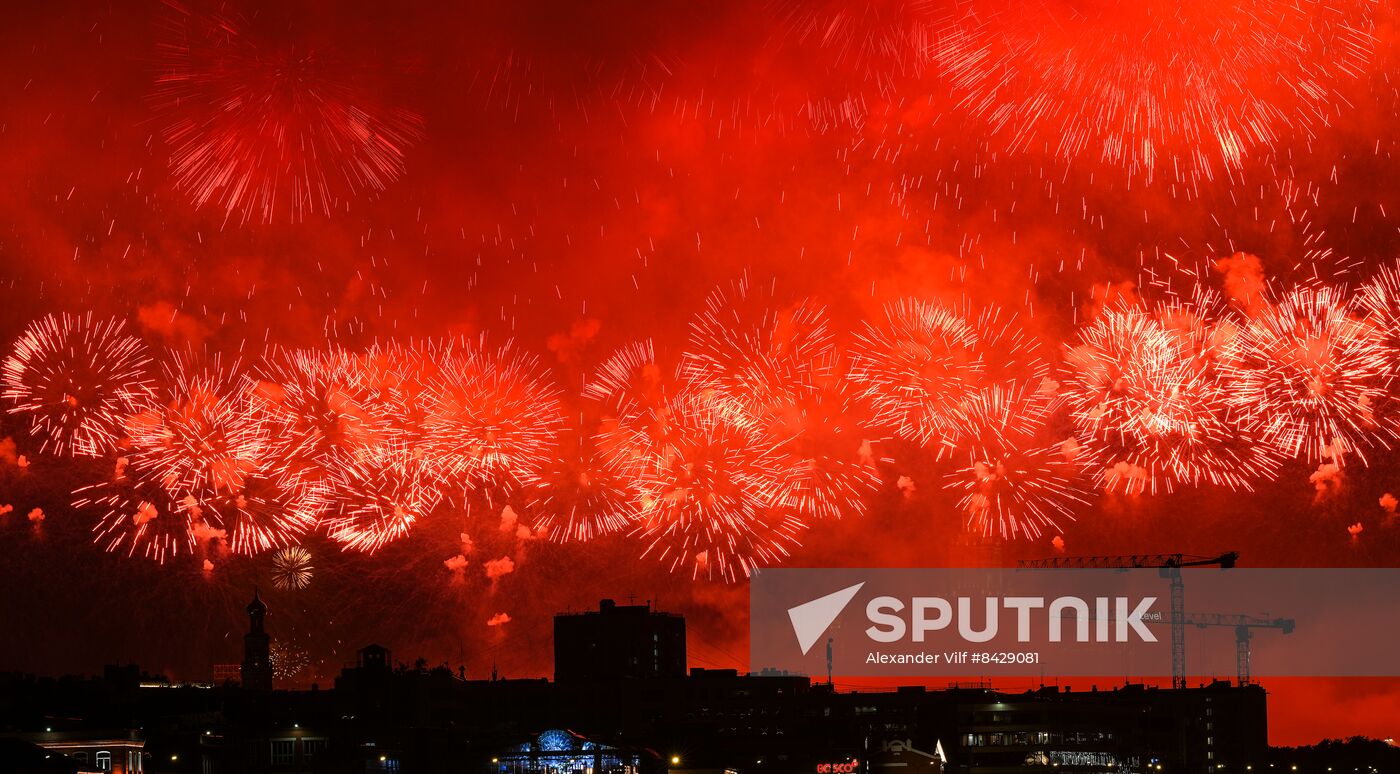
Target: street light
<point>675,759</point>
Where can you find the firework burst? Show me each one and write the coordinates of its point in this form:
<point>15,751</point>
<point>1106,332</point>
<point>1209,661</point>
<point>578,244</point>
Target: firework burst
<point>751,348</point>
<point>825,449</point>
<point>915,368</point>
<point>1149,396</point>
<point>493,418</point>
<point>582,492</point>
<point>1013,492</point>
<point>201,440</point>
<point>1007,353</point>
<point>288,660</point>
<point>397,378</point>
<point>77,379</point>
<point>293,568</point>
<point>270,131</point>
<point>136,515</point>
<point>372,497</point>
<point>1313,375</point>
<point>709,488</point>
<point>631,376</point>
<point>1379,301</point>
<point>1149,85</point>
<point>264,513</point>
<point>314,404</point>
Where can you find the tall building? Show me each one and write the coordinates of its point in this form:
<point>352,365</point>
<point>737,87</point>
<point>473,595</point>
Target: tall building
<point>618,642</point>
<point>257,656</point>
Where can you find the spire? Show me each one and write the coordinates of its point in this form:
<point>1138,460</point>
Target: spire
<point>256,606</point>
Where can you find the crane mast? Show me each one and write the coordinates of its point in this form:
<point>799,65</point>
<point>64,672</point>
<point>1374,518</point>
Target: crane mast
<point>1169,566</point>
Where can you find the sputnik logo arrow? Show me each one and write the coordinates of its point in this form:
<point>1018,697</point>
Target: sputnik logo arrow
<point>811,619</point>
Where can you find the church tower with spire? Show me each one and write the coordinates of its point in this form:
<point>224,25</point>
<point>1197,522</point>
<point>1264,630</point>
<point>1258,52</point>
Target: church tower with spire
<point>256,669</point>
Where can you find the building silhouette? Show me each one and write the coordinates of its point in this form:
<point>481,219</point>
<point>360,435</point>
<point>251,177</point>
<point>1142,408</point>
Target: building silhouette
<point>618,642</point>
<point>638,713</point>
<point>256,669</point>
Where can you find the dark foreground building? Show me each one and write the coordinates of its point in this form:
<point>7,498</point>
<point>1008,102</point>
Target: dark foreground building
<point>618,642</point>
<point>641,714</point>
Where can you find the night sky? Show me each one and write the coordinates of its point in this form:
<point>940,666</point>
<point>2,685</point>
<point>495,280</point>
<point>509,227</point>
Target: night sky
<point>392,182</point>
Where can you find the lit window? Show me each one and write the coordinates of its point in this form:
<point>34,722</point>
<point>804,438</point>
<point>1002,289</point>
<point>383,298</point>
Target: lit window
<point>104,760</point>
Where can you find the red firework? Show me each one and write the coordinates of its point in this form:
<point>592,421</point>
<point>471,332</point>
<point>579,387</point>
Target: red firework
<point>915,368</point>
<point>750,346</point>
<point>314,403</point>
<point>825,448</point>
<point>877,39</point>
<point>1379,300</point>
<point>630,376</point>
<point>582,493</point>
<point>1013,484</point>
<point>372,496</point>
<point>77,379</point>
<point>267,512</point>
<point>202,440</point>
<point>1313,375</point>
<point>493,418</point>
<point>1008,354</point>
<point>1019,492</point>
<point>273,131</point>
<point>137,515</point>
<point>1155,84</point>
<point>710,494</point>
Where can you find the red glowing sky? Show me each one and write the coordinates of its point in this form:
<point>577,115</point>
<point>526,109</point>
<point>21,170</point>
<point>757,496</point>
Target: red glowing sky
<point>583,178</point>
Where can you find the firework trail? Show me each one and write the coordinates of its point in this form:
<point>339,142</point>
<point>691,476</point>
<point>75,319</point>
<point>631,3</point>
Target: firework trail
<point>137,515</point>
<point>76,379</point>
<point>201,440</point>
<point>915,368</point>
<point>314,404</point>
<point>1313,374</point>
<point>272,131</point>
<point>877,39</point>
<point>373,496</point>
<point>709,487</point>
<point>493,418</point>
<point>1188,87</point>
<point>751,348</point>
<point>266,512</point>
<point>582,492</point>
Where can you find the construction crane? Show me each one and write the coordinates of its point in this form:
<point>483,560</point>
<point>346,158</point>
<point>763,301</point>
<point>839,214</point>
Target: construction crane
<point>1169,566</point>
<point>1244,632</point>
<point>1243,625</point>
